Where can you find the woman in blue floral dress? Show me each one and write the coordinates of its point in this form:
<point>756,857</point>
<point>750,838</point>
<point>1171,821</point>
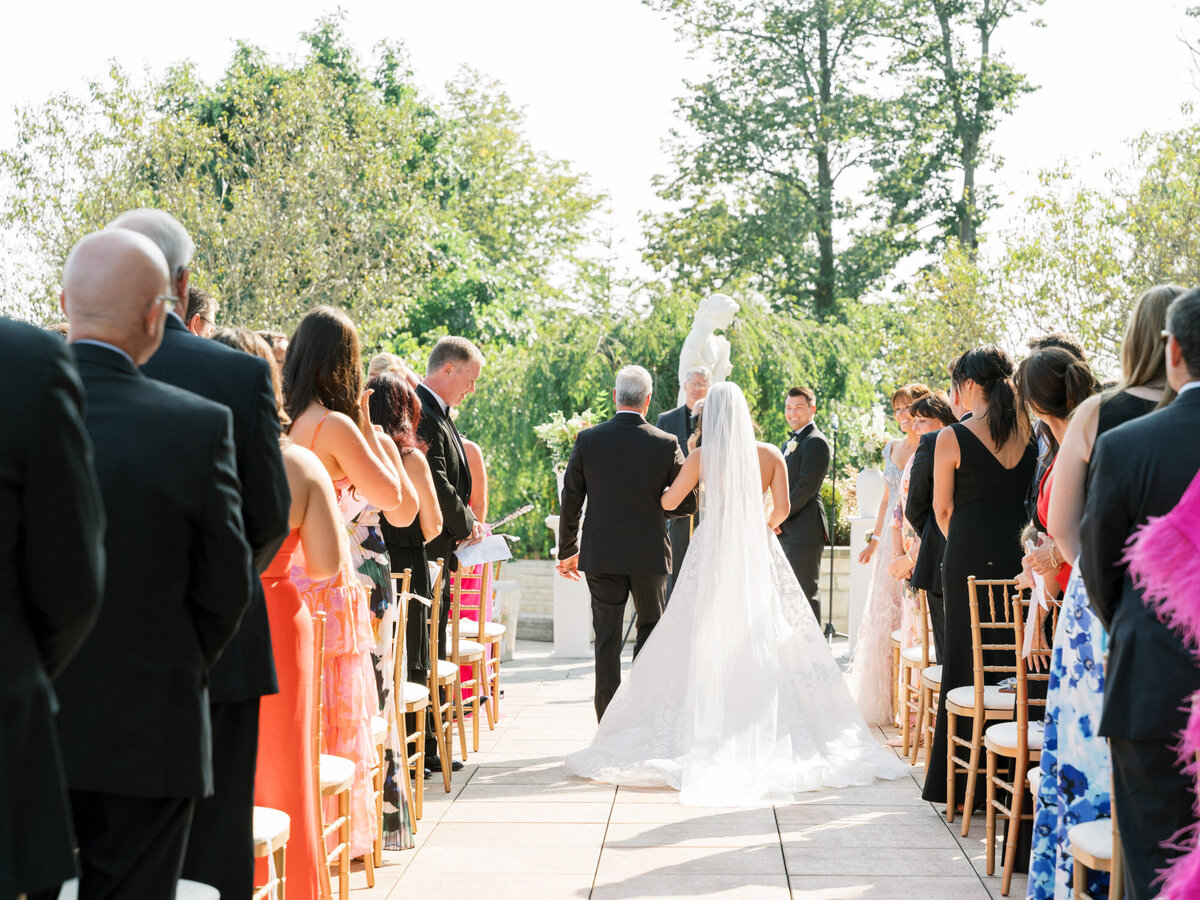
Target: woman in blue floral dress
<point>1076,767</point>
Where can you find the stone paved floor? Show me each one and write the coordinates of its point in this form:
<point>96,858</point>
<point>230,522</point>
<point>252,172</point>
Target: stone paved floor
<point>515,826</point>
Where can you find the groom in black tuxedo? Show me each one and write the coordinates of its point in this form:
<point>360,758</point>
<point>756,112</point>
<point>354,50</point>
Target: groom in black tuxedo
<point>221,845</point>
<point>806,529</point>
<point>681,422</point>
<point>1138,470</point>
<point>450,375</point>
<point>622,467</point>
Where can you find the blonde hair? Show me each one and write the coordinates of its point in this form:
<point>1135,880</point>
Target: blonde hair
<point>386,362</point>
<point>1142,358</point>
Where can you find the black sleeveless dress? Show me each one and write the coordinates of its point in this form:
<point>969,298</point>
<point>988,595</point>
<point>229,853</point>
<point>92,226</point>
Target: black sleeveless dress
<point>406,550</point>
<point>984,541</point>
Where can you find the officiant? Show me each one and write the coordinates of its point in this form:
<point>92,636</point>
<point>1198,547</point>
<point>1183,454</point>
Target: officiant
<point>681,422</point>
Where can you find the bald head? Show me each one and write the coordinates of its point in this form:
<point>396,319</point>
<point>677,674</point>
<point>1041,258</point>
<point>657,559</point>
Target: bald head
<point>110,285</point>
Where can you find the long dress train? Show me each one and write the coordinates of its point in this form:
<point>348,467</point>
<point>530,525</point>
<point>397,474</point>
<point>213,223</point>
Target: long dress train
<point>735,699</point>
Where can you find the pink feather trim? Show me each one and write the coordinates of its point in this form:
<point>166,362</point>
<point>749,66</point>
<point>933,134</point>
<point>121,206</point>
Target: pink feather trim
<point>1164,562</point>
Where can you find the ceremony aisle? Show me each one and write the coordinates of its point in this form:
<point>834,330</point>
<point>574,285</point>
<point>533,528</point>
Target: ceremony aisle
<point>514,826</point>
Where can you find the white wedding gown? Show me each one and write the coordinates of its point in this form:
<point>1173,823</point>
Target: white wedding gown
<point>735,699</point>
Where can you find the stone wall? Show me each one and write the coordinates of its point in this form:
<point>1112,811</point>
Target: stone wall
<point>536,577</point>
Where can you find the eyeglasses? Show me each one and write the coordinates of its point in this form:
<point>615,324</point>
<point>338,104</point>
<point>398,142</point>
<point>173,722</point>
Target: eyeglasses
<point>1164,335</point>
<point>168,301</point>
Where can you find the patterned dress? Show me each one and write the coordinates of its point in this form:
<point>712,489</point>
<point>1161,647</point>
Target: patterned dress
<point>1078,789</point>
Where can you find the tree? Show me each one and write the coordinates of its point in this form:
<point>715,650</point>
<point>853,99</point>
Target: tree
<point>796,110</point>
<point>950,57</point>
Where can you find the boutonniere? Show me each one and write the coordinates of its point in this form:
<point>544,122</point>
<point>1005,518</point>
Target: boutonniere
<point>790,447</point>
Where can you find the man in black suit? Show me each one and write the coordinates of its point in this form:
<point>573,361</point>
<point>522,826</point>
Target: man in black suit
<point>134,720</point>
<point>806,529</point>
<point>681,422</point>
<point>622,467</point>
<point>221,848</point>
<point>453,368</point>
<point>52,569</point>
<point>1138,470</point>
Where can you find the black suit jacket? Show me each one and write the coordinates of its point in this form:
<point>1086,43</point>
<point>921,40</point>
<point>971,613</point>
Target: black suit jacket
<point>677,421</point>
<point>135,716</point>
<point>242,383</point>
<point>1139,469</point>
<point>927,573</point>
<point>807,467</point>
<point>51,577</point>
<point>451,478</point>
<point>622,466</point>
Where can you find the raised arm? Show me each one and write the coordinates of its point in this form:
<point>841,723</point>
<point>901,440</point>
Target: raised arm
<point>691,500</point>
<point>945,468</point>
<point>403,515</point>
<point>370,472</point>
<point>685,482</point>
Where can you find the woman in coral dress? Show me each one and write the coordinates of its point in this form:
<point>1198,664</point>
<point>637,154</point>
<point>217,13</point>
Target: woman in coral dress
<point>283,776</point>
<point>323,385</point>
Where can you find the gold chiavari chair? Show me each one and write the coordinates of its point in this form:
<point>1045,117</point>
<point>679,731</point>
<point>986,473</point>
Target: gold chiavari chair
<point>1096,847</point>
<point>443,679</point>
<point>333,777</point>
<point>272,828</point>
<point>411,698</point>
<point>1019,740</point>
<point>493,634</point>
<point>465,651</point>
<point>980,702</point>
<point>896,644</point>
<point>913,663</point>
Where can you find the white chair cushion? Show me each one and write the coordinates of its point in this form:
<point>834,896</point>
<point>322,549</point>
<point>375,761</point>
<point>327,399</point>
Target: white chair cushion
<point>896,635</point>
<point>993,697</point>
<point>187,890</point>
<point>271,828</point>
<point>494,629</point>
<point>913,654</point>
<point>415,693</point>
<point>445,669</point>
<point>1004,735</point>
<point>335,771</point>
<point>932,676</point>
<point>1035,779</point>
<point>379,729</point>
<point>465,646</point>
<point>1094,838</point>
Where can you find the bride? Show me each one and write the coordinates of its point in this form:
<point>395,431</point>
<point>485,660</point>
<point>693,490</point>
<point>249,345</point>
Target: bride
<point>735,699</point>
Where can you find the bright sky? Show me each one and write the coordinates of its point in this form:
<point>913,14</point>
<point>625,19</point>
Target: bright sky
<point>598,79</point>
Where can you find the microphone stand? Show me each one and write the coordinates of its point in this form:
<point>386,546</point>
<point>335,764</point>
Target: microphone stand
<point>830,631</point>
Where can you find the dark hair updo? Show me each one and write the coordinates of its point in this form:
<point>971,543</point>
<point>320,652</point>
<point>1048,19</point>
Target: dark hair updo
<point>992,369</point>
<point>1053,381</point>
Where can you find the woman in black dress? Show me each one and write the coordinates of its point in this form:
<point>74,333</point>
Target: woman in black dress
<point>396,409</point>
<point>982,471</point>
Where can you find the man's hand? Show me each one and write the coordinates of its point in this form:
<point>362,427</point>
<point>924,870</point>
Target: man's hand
<point>478,533</point>
<point>569,567</point>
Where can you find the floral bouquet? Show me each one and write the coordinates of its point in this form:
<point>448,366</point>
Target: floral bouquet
<point>560,432</point>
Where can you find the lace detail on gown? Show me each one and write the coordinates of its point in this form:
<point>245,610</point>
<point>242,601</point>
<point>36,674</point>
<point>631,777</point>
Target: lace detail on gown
<point>871,669</point>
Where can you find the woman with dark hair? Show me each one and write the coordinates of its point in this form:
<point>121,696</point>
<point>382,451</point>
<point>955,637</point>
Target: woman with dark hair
<point>1076,766</point>
<point>397,410</point>
<point>982,470</point>
<point>929,413</point>
<point>283,774</point>
<point>322,381</point>
<point>871,669</point>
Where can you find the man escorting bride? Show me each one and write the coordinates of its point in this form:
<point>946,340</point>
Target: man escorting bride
<point>734,699</point>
